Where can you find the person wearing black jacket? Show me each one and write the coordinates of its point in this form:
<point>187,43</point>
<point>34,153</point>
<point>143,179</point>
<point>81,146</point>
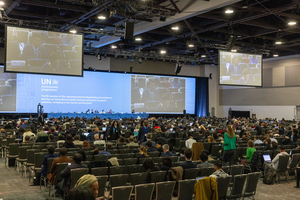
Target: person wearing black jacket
<point>69,142</point>
<point>258,128</point>
<point>114,131</point>
<point>142,132</point>
<point>292,137</point>
<point>166,164</point>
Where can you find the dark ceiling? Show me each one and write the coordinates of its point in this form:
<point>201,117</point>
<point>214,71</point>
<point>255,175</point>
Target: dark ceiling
<point>254,26</point>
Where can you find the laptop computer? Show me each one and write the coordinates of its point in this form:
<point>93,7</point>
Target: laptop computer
<point>86,134</point>
<point>267,158</point>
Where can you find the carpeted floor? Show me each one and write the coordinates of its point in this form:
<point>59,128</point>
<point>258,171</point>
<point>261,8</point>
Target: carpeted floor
<point>14,187</point>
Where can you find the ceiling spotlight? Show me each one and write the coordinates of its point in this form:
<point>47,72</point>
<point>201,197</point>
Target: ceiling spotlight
<point>114,47</point>
<point>278,42</point>
<point>203,56</point>
<point>292,23</point>
<point>191,45</point>
<point>101,17</point>
<point>138,39</point>
<point>73,31</point>
<point>229,11</point>
<point>163,52</point>
<point>175,28</point>
<point>1,3</point>
<point>233,50</point>
<point>275,55</point>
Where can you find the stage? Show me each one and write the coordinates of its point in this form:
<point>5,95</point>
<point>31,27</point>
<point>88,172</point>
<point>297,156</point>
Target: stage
<point>102,116</point>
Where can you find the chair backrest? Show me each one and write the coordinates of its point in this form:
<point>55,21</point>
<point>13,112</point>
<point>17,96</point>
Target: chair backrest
<point>49,164</point>
<point>30,155</point>
<point>236,170</point>
<point>282,163</point>
<point>118,180</point>
<point>10,140</point>
<point>121,193</point>
<point>164,190</point>
<point>238,186</point>
<point>223,184</point>
<point>38,159</point>
<point>117,170</point>
<point>185,189</point>
<point>99,171</point>
<point>130,161</point>
<point>59,168</point>
<point>101,185</point>
<point>138,178</point>
<point>100,157</point>
<point>251,184</point>
<point>191,173</point>
<point>76,174</point>
<point>207,171</point>
<point>14,149</point>
<point>144,191</point>
<point>154,154</point>
<point>158,176</point>
<point>295,160</point>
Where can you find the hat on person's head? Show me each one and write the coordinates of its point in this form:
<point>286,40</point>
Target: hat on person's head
<point>86,180</point>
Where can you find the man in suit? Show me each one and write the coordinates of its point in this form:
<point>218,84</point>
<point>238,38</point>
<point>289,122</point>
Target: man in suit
<point>148,137</point>
<point>149,147</point>
<point>66,173</point>
<point>188,162</point>
<point>62,159</point>
<point>166,151</point>
<point>51,154</point>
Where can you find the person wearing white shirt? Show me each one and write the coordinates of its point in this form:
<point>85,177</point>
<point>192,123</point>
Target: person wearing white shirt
<point>28,133</point>
<point>77,140</point>
<point>98,141</point>
<point>189,142</point>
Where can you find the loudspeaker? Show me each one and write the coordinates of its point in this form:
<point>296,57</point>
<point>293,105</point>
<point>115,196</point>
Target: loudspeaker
<point>129,30</point>
<point>177,68</point>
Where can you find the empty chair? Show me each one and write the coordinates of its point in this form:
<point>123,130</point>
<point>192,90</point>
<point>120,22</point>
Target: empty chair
<point>134,168</point>
<point>159,176</point>
<point>100,158</point>
<point>282,167</point>
<point>130,161</point>
<point>76,174</point>
<point>121,193</point>
<point>186,189</point>
<point>238,186</point>
<point>207,171</point>
<point>118,180</point>
<point>117,170</point>
<point>101,185</point>
<point>191,173</point>
<point>236,170</point>
<point>99,171</point>
<point>30,159</point>
<point>13,152</point>
<point>223,184</point>
<point>138,178</point>
<point>144,191</point>
<point>251,184</point>
<point>164,190</point>
<point>215,151</point>
<point>154,154</point>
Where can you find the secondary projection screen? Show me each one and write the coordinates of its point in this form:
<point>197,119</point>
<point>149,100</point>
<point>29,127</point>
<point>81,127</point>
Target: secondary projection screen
<point>43,52</point>
<point>98,91</point>
<point>240,69</point>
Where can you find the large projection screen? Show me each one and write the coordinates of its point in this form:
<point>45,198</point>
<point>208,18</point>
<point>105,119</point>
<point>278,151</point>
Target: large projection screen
<point>240,69</point>
<point>43,52</point>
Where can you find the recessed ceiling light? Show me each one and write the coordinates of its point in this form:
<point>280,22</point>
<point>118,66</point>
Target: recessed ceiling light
<point>203,56</point>
<point>113,46</point>
<point>275,55</point>
<point>138,39</point>
<point>292,23</point>
<point>1,3</point>
<point>101,17</point>
<point>239,36</point>
<point>278,42</point>
<point>163,52</point>
<point>73,31</point>
<point>233,50</point>
<point>175,28</point>
<point>191,45</point>
<point>229,11</point>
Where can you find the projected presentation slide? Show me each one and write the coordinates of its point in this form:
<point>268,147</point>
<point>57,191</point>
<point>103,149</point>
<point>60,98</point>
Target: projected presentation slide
<point>240,69</point>
<point>157,94</point>
<point>43,52</point>
<point>96,90</point>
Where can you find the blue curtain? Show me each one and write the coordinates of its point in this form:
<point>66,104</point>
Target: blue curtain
<point>202,108</point>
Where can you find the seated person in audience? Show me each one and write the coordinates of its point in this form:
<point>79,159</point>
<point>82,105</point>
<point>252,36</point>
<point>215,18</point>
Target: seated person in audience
<point>89,181</point>
<point>143,153</point>
<point>60,131</point>
<point>189,142</point>
<point>188,160</point>
<point>41,133</point>
<point>272,137</point>
<point>61,139</point>
<point>268,143</point>
<point>166,151</point>
<point>62,159</point>
<point>257,140</point>
<point>250,151</point>
<point>66,173</point>
<point>77,140</point>
<point>148,137</point>
<point>122,140</point>
<point>276,133</point>
<point>298,146</point>
<point>159,147</point>
<point>292,137</point>
<point>95,150</point>
<point>69,142</point>
<point>274,164</point>
<point>161,139</point>
<point>50,139</point>
<point>51,154</point>
<point>35,48</point>
<point>85,144</point>
<point>273,146</point>
<point>114,131</point>
<point>28,133</point>
<point>204,161</point>
<point>81,192</point>
<point>165,105</point>
<point>98,141</point>
<point>149,166</point>
<point>245,79</point>
<point>166,164</point>
<point>82,154</point>
<point>149,147</point>
<point>27,140</point>
<point>219,173</point>
<point>109,145</point>
<point>131,142</point>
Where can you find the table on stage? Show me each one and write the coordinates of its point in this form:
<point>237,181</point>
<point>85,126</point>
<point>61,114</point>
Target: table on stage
<point>101,115</point>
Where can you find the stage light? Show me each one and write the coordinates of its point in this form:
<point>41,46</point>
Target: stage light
<point>163,52</point>
<point>114,46</point>
<point>203,56</point>
<point>101,17</point>
<point>191,45</point>
<point>229,11</point>
<point>73,31</point>
<point>278,42</point>
<point>138,39</point>
<point>233,50</point>
<point>1,3</point>
<point>292,23</point>
<point>175,28</point>
<point>275,55</point>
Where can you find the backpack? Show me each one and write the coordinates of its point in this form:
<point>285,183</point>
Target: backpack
<point>269,178</point>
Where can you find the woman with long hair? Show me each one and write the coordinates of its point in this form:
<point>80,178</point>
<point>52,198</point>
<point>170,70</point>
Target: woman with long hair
<point>229,145</point>
<point>115,131</point>
<point>69,142</point>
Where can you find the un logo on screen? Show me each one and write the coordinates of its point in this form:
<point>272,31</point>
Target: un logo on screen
<point>55,82</point>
